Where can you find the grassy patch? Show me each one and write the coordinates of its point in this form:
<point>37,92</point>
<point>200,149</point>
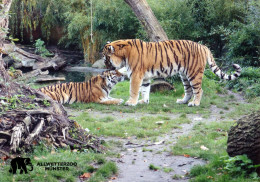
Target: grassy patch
<point>143,127</point>
<point>87,162</point>
<point>248,82</point>
<point>161,102</point>
<point>167,170</point>
<point>244,108</point>
<point>213,136</point>
<point>153,167</point>
<point>208,141</point>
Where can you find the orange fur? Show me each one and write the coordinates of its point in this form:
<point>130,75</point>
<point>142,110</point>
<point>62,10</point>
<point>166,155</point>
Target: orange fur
<point>146,60</point>
<point>96,89</point>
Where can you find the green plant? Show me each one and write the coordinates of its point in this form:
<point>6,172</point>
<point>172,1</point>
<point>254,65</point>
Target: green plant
<point>167,170</point>
<point>40,48</point>
<point>153,167</point>
<point>248,82</point>
<point>46,103</point>
<point>240,165</point>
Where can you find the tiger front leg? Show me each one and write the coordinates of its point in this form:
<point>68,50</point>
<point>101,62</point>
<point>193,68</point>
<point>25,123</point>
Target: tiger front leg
<point>145,91</point>
<point>135,84</point>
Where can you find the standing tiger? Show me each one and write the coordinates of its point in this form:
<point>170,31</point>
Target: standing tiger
<point>96,89</point>
<point>146,60</point>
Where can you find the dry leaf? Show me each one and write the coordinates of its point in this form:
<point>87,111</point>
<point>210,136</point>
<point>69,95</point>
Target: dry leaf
<point>53,152</point>
<point>98,128</point>
<point>197,119</point>
<point>159,122</point>
<point>202,147</point>
<point>36,158</point>
<point>4,158</point>
<point>85,175</point>
<point>160,142</point>
<point>113,178</point>
<point>186,155</point>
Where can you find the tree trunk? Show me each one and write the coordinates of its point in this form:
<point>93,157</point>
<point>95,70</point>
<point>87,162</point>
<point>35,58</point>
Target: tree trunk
<point>144,13</point>
<point>244,138</point>
<point>4,21</point>
<point>154,30</point>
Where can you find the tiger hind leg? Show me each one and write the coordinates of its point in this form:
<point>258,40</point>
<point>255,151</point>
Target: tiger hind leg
<point>197,91</point>
<point>187,89</point>
<point>145,91</point>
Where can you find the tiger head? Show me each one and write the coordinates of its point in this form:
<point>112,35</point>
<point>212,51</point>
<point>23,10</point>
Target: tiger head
<point>112,77</point>
<point>115,53</point>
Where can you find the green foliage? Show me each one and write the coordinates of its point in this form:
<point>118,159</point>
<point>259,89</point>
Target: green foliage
<point>9,103</point>
<point>219,166</point>
<point>41,49</point>
<point>46,103</point>
<point>244,40</point>
<point>87,162</point>
<point>248,82</point>
<point>240,165</point>
<point>153,167</point>
<point>230,28</point>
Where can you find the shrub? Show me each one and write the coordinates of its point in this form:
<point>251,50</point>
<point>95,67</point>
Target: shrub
<point>248,82</point>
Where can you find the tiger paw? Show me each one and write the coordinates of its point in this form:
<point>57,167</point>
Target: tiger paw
<point>143,101</point>
<point>130,103</point>
<point>120,101</point>
<point>181,101</point>
<point>191,104</point>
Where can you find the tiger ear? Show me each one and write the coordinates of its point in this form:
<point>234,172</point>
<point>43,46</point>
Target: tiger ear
<point>111,49</point>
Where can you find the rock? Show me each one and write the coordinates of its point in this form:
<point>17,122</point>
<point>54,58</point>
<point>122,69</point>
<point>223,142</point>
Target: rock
<point>8,60</point>
<point>161,85</point>
<point>99,64</point>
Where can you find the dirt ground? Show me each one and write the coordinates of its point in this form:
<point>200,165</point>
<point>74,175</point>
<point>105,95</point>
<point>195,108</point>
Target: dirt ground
<point>134,162</point>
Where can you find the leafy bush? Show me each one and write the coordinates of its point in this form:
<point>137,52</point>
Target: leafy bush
<point>40,48</point>
<point>244,41</point>
<point>240,165</point>
<point>231,29</point>
<point>248,82</point>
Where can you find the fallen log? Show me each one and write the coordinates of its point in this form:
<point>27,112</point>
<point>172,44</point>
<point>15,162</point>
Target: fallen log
<point>49,79</point>
<point>28,60</point>
<point>31,74</point>
<point>20,129</point>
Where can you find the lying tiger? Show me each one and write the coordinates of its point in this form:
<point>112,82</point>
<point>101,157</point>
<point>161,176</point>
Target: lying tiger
<point>146,60</point>
<point>96,89</point>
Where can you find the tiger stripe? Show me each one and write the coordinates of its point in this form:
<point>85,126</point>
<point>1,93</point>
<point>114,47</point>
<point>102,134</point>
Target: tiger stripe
<point>97,89</point>
<point>147,60</point>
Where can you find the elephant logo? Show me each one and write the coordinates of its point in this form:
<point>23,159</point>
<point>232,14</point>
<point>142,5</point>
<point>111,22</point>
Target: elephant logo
<point>20,163</point>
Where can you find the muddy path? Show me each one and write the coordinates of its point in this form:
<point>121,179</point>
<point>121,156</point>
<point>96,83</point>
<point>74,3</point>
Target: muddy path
<point>136,155</point>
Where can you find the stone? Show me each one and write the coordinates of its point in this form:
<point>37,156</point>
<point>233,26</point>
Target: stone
<point>99,64</point>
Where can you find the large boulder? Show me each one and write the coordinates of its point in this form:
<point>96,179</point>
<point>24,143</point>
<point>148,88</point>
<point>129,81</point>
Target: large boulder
<point>99,64</point>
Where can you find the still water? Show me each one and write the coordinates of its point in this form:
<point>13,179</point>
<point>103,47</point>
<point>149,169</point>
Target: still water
<point>73,76</point>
